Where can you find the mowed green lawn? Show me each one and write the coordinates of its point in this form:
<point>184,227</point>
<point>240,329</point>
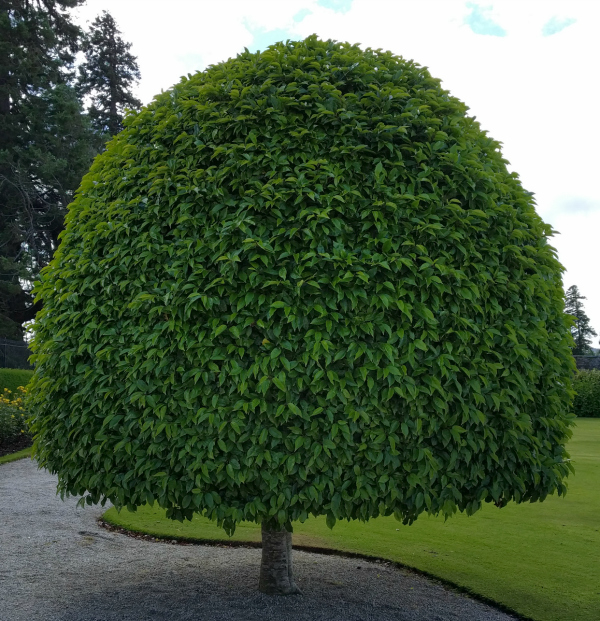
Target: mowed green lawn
<point>541,560</point>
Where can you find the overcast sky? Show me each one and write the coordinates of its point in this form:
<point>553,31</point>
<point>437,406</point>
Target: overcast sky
<point>527,69</point>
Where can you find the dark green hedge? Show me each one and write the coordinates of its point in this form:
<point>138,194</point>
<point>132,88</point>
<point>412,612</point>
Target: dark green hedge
<point>587,393</point>
<point>13,378</point>
<point>303,282</point>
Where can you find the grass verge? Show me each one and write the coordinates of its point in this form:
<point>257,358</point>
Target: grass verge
<point>14,456</point>
<point>539,560</point>
<point>13,378</point>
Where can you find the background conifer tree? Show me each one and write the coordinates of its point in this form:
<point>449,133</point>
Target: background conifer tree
<point>45,145</point>
<point>582,331</point>
<point>47,141</point>
<point>108,75</point>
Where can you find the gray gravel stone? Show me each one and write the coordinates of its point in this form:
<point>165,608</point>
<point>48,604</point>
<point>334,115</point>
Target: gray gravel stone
<point>57,564</point>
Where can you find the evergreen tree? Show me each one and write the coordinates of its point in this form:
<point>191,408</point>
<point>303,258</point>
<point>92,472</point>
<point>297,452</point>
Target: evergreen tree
<point>581,330</point>
<point>43,182</point>
<point>37,45</point>
<point>44,145</point>
<point>108,75</point>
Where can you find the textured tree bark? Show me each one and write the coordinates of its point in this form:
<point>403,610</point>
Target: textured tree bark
<point>276,573</point>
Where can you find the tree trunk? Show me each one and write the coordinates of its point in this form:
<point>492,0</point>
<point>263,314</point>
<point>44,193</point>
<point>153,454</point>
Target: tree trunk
<point>276,573</point>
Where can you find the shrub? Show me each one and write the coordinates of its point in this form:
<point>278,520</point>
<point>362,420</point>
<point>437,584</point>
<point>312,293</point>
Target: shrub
<point>13,378</point>
<point>587,393</point>
<point>303,282</point>
<point>13,415</point>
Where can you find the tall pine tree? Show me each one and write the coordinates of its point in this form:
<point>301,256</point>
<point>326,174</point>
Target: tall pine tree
<point>45,145</point>
<point>581,331</point>
<point>108,75</point>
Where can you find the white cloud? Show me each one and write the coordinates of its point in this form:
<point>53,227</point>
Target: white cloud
<point>536,94</point>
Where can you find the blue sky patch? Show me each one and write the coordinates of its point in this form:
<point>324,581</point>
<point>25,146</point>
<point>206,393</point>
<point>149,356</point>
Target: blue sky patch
<point>263,38</point>
<point>301,14</point>
<point>556,24</point>
<point>480,23</point>
<point>339,6</point>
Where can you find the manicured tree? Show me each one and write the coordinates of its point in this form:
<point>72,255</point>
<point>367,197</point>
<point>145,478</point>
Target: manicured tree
<point>303,282</point>
<point>108,75</point>
<point>581,330</point>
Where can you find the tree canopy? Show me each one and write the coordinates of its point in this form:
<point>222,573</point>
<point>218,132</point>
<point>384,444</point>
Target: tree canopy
<point>301,282</point>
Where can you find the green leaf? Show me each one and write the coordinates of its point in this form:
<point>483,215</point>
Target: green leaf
<point>280,384</point>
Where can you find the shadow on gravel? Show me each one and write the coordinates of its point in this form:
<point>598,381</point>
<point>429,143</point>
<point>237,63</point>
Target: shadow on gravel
<point>197,582</point>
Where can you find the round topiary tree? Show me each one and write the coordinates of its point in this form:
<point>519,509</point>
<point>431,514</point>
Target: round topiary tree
<point>303,282</point>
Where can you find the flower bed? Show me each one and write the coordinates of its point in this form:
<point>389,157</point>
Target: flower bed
<point>14,432</point>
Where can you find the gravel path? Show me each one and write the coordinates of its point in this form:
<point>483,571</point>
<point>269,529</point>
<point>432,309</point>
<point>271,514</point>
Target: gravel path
<point>57,564</point>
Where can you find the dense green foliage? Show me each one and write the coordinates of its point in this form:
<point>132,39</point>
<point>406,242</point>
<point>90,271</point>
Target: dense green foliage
<point>303,282</point>
<point>587,393</point>
<point>13,378</point>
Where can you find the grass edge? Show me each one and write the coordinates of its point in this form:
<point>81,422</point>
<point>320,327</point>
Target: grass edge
<point>26,452</point>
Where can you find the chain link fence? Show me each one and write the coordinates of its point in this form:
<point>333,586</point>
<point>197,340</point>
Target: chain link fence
<point>14,354</point>
<point>587,362</point>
